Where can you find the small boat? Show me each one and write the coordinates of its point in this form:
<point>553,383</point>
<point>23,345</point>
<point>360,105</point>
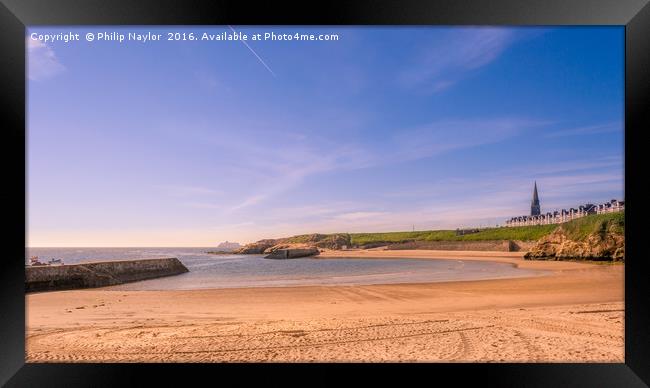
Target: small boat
<point>55,262</point>
<point>33,261</point>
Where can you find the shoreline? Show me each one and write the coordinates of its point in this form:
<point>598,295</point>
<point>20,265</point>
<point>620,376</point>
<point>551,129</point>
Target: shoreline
<point>477,256</point>
<point>515,258</point>
<point>538,272</point>
<point>575,302</point>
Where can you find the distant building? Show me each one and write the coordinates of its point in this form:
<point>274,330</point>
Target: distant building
<point>610,207</point>
<point>557,217</point>
<point>535,209</point>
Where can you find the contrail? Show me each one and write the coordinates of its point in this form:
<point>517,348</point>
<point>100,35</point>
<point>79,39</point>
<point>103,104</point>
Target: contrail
<point>254,53</point>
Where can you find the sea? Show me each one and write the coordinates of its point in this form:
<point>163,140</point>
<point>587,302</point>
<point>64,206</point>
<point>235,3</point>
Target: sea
<point>236,271</point>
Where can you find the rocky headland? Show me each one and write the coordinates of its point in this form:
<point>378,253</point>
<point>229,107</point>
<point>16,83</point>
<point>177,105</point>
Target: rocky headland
<point>590,238</point>
<point>327,241</point>
<point>594,237</point>
<point>257,247</point>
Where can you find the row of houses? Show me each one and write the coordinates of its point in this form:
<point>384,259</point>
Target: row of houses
<point>610,207</point>
<point>565,215</point>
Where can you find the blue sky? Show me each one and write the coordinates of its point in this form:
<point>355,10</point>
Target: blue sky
<point>192,143</point>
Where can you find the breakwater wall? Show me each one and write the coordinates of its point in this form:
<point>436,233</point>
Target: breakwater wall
<point>488,245</point>
<point>99,274</point>
<point>292,253</point>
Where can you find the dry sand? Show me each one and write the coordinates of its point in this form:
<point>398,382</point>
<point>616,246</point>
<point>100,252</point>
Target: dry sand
<point>574,314</point>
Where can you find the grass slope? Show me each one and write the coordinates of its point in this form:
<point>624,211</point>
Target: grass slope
<point>577,229</point>
<point>525,233</point>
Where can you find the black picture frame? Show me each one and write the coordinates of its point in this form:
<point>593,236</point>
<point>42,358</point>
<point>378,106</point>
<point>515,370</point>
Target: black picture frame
<point>15,15</point>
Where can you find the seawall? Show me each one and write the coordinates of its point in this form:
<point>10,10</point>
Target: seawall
<point>488,245</point>
<point>99,274</point>
<point>292,253</point>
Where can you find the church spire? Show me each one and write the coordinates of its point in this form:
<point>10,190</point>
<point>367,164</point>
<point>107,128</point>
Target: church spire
<point>535,209</point>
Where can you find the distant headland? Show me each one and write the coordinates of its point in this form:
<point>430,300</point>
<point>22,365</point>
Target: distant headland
<point>591,232</point>
<point>228,246</point>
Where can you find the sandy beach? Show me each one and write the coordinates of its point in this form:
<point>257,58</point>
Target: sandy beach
<point>575,313</point>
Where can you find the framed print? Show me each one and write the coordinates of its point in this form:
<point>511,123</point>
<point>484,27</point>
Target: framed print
<point>451,188</point>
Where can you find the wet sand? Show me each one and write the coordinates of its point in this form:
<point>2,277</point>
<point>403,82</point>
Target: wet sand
<point>574,314</point>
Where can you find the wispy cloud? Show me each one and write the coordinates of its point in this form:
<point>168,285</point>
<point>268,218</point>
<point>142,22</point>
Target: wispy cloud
<point>277,161</point>
<point>360,215</point>
<point>188,191</point>
<point>486,199</point>
<point>588,130</point>
<point>491,197</point>
<point>203,205</point>
<point>570,165</point>
<point>310,211</point>
<point>196,197</point>
<point>289,173</point>
<point>253,200</point>
<point>41,61</point>
<point>462,51</point>
<point>449,135</point>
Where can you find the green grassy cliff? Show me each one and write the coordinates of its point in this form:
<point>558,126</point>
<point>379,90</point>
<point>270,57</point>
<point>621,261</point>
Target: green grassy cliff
<point>596,237</point>
<point>576,229</point>
<point>581,228</point>
<point>523,233</point>
<point>585,230</point>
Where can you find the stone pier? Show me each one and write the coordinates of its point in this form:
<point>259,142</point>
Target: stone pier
<point>99,274</point>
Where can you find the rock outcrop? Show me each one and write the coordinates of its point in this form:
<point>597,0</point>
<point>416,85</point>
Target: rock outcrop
<point>329,241</point>
<point>332,241</point>
<point>603,245</point>
<point>257,247</point>
<point>290,251</point>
